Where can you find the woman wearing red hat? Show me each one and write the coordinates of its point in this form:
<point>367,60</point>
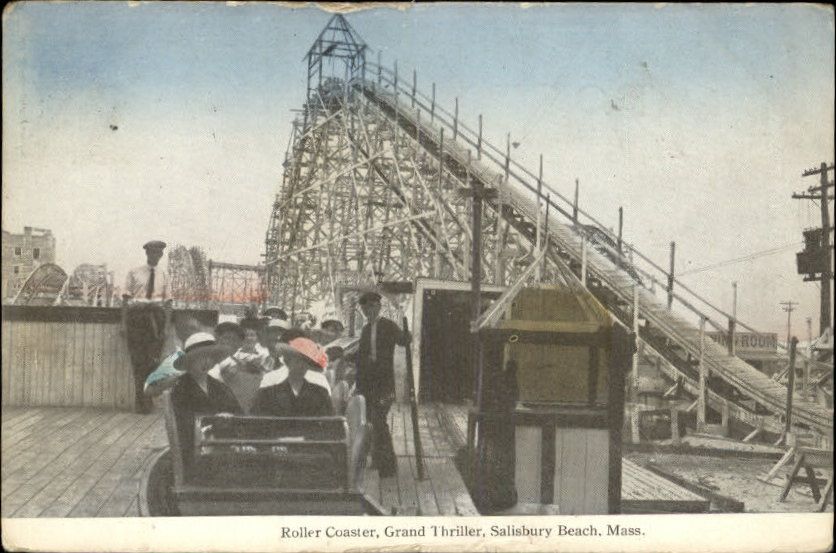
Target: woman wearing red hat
<point>290,394</point>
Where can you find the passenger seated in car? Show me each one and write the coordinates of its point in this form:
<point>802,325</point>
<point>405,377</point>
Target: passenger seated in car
<point>242,371</point>
<point>293,393</point>
<point>165,375</point>
<point>278,346</point>
<point>196,392</point>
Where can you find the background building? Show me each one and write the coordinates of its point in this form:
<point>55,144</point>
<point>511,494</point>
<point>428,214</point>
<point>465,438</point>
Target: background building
<point>22,254</point>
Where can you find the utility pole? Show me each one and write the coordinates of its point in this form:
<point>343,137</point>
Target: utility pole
<point>733,321</point>
<point>789,307</point>
<point>817,258</point>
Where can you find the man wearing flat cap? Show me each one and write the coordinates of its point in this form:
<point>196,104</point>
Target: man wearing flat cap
<point>145,304</point>
<point>376,377</point>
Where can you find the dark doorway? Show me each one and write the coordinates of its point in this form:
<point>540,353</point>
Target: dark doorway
<point>446,372</point>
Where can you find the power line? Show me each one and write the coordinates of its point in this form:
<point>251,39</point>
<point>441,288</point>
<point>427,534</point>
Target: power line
<point>749,257</point>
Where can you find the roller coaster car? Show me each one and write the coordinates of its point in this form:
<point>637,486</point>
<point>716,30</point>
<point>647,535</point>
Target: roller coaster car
<point>248,465</point>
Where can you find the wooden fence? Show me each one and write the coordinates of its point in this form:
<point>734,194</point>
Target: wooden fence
<point>68,356</point>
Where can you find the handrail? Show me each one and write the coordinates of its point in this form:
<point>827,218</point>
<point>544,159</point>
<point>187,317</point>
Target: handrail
<point>506,163</point>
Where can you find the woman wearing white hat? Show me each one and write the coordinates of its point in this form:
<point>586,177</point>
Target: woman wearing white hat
<point>196,392</point>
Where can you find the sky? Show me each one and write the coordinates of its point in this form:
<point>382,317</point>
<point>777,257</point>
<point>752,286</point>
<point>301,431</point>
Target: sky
<point>124,122</point>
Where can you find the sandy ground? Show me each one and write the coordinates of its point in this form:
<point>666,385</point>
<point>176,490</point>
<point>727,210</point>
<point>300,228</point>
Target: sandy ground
<point>737,478</point>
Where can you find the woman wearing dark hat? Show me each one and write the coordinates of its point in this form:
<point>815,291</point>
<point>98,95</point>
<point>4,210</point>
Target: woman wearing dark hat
<point>289,393</point>
<point>198,393</point>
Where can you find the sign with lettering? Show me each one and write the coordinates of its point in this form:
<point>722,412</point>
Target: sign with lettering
<point>748,343</point>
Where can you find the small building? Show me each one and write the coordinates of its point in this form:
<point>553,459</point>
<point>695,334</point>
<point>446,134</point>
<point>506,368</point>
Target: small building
<point>22,254</point>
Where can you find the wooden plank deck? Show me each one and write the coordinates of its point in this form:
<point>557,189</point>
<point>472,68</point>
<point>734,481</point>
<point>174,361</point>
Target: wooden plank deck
<point>85,462</point>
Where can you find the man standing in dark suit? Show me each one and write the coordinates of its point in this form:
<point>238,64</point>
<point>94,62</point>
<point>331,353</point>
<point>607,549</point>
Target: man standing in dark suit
<point>376,377</point>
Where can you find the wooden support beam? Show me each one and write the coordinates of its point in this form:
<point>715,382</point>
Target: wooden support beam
<point>790,385</point>
<point>635,360</point>
<point>670,275</point>
<point>675,425</point>
<point>703,368</point>
<point>499,238</point>
<point>456,120</point>
<point>673,391</point>
<point>583,260</point>
<point>733,320</point>
<point>635,419</point>
<point>539,222</point>
<point>724,417</point>
<point>620,226</point>
<point>432,106</point>
<point>753,434</point>
<point>828,493</point>
<point>479,140</point>
<point>779,465</point>
<point>575,204</point>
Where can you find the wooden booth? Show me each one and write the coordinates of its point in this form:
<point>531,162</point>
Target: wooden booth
<point>563,359</point>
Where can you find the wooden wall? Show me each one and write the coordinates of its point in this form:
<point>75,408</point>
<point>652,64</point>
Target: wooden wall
<point>68,356</point>
<point>581,468</point>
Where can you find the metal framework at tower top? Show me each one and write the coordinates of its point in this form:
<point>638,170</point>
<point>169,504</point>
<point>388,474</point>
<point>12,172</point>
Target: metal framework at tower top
<point>341,47</point>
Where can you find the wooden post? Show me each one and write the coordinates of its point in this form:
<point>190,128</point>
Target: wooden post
<point>479,140</point>
<point>575,204</point>
<point>507,155</point>
<point>456,120</point>
<point>432,106</point>
<point>498,267</point>
<point>546,226</point>
<point>670,275</point>
<point>805,391</point>
<point>414,85</point>
<point>413,406</point>
<point>675,425</point>
<point>620,225</point>
<point>469,206</point>
<point>827,273</point>
<point>636,333</point>
<point>733,320</point>
<point>583,260</point>
<point>790,388</point>
<point>440,159</point>
<point>418,126</point>
<point>703,380</point>
<point>476,344</point>
<point>379,72</point>
<point>395,84</point>
<point>724,418</point>
<point>539,222</point>
<point>635,420</point>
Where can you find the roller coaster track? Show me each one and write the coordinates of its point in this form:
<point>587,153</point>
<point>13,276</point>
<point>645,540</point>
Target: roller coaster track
<point>673,341</point>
